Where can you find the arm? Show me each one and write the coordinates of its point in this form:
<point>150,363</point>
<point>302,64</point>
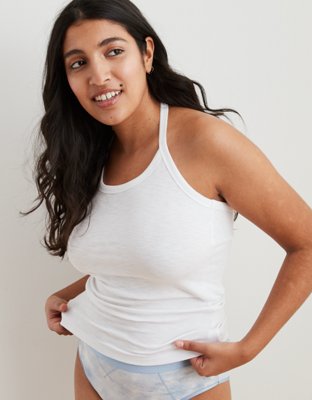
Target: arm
<point>267,200</point>
<point>290,290</point>
<point>72,290</point>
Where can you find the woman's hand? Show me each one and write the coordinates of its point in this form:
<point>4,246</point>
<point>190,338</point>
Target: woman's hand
<point>217,357</point>
<point>53,308</point>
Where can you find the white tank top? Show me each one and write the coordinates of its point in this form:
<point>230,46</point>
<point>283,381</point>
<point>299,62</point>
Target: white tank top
<point>156,250</point>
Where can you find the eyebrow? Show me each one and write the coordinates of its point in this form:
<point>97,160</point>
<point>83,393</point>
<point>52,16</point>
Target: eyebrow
<point>101,44</point>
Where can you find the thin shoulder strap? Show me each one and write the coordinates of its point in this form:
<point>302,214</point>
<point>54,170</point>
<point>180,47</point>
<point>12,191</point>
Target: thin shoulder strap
<point>164,108</point>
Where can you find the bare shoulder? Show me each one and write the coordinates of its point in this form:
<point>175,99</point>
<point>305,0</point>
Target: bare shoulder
<point>196,127</point>
<point>208,138</point>
<point>247,179</point>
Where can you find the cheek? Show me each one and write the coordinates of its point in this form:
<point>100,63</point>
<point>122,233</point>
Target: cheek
<point>76,87</point>
<point>132,71</point>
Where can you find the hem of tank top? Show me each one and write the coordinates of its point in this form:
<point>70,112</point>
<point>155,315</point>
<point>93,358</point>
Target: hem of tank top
<point>81,337</point>
<point>103,187</point>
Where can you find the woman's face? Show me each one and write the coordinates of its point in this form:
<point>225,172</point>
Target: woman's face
<point>105,69</point>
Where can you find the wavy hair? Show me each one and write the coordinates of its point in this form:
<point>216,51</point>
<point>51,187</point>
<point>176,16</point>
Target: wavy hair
<point>76,146</point>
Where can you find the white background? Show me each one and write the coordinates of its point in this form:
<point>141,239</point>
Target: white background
<point>251,56</point>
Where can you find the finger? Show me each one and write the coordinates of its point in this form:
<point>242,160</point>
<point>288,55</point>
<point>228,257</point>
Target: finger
<point>56,308</point>
<point>197,362</point>
<point>64,331</point>
<point>201,365</point>
<point>191,346</point>
<point>62,306</point>
<point>194,362</point>
<point>55,324</point>
<point>59,329</point>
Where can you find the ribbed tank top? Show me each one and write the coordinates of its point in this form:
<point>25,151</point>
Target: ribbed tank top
<point>156,250</point>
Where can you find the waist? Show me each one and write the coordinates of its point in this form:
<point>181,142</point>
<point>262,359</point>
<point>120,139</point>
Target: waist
<point>147,369</point>
<point>144,342</point>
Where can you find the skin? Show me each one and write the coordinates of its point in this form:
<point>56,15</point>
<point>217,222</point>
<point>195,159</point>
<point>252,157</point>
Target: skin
<point>106,67</point>
<point>215,159</point>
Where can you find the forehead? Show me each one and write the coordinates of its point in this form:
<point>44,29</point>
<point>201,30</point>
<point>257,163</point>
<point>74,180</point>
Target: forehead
<point>88,33</point>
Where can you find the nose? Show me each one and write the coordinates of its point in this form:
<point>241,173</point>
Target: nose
<point>99,72</point>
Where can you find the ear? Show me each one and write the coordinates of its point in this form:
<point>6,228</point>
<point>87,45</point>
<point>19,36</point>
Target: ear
<point>149,53</point>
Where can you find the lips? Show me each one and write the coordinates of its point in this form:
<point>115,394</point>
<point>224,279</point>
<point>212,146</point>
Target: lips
<point>108,99</point>
<point>106,94</point>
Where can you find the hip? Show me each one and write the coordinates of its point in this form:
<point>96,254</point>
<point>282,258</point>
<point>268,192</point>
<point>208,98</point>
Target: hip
<point>116,380</point>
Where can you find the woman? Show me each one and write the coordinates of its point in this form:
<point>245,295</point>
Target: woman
<point>141,183</point>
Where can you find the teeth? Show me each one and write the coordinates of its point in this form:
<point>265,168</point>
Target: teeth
<point>107,96</point>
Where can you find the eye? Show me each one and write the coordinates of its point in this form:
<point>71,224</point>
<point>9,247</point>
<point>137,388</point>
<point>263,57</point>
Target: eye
<point>77,63</point>
<point>119,51</point>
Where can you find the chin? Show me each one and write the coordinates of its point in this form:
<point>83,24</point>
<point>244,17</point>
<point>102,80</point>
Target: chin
<point>107,119</point>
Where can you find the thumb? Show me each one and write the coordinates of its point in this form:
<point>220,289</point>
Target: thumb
<point>191,346</point>
<point>62,305</point>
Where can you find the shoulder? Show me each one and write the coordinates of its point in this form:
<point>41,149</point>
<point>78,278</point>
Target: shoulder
<point>246,179</point>
<point>224,150</point>
<point>208,137</point>
<point>201,126</point>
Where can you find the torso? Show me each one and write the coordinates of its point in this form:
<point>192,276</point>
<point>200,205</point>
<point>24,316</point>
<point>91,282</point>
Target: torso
<point>198,172</point>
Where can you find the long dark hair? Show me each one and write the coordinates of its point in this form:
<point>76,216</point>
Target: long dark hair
<point>68,171</point>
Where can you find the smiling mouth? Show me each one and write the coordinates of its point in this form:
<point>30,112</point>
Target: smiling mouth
<point>107,96</point>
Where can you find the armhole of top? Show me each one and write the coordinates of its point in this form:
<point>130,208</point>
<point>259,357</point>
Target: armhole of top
<point>176,174</point>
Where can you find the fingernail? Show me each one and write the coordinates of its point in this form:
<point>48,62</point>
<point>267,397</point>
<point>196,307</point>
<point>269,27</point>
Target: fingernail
<point>179,343</point>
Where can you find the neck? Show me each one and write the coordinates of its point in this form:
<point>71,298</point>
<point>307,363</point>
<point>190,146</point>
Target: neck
<point>140,130</point>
